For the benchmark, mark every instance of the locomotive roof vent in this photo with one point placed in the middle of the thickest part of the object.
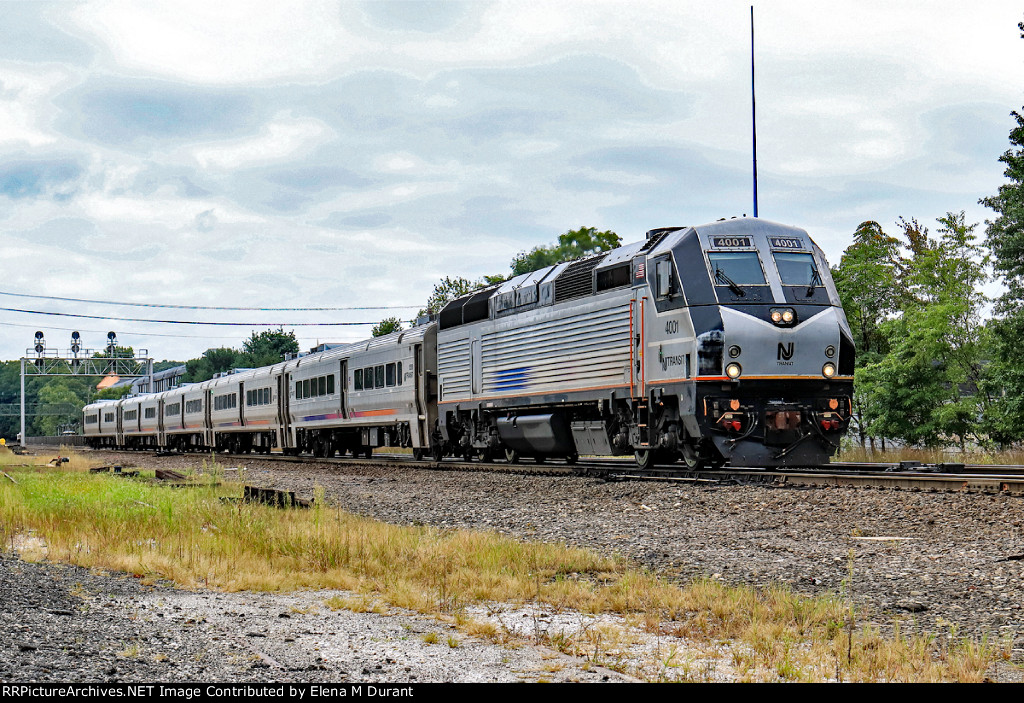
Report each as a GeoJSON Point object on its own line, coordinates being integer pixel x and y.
{"type": "Point", "coordinates": [576, 280]}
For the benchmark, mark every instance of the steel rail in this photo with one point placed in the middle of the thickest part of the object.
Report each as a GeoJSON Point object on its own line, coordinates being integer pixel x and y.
{"type": "Point", "coordinates": [986, 479]}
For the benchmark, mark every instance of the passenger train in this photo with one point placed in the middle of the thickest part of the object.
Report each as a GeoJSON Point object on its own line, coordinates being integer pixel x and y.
{"type": "Point", "coordinates": [721, 343]}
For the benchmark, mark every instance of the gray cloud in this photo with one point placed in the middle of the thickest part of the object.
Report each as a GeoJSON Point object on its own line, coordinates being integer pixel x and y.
{"type": "Point", "coordinates": [32, 178]}
{"type": "Point", "coordinates": [362, 220]}
{"type": "Point", "coordinates": [425, 16]}
{"type": "Point", "coordinates": [66, 232]}
{"type": "Point", "coordinates": [140, 114]}
{"type": "Point", "coordinates": [206, 221]}
{"type": "Point", "coordinates": [26, 35]}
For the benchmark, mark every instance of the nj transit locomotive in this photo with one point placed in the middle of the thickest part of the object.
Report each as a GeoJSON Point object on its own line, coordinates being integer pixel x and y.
{"type": "Point", "coordinates": [719, 343]}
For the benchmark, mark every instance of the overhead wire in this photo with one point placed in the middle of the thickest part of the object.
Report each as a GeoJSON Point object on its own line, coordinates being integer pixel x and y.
{"type": "Point", "coordinates": [207, 307]}
{"type": "Point", "coordinates": [188, 322]}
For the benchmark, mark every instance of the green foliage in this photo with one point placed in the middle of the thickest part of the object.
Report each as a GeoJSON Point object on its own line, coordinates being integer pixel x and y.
{"type": "Point", "coordinates": [925, 390]}
{"type": "Point", "coordinates": [448, 290]}
{"type": "Point", "coordinates": [58, 392]}
{"type": "Point", "coordinates": [868, 281]}
{"type": "Point", "coordinates": [261, 349]}
{"type": "Point", "coordinates": [1005, 238]}
{"type": "Point", "coordinates": [213, 361]}
{"type": "Point", "coordinates": [387, 326]}
{"type": "Point", "coordinates": [118, 352]}
{"type": "Point", "coordinates": [267, 348]}
{"type": "Point", "coordinates": [113, 393]}
{"type": "Point", "coordinates": [574, 244]}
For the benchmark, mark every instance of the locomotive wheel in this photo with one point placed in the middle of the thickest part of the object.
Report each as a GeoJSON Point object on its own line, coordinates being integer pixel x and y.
{"type": "Point", "coordinates": [417, 454]}
{"type": "Point", "coordinates": [486, 456]}
{"type": "Point", "coordinates": [437, 452]}
{"type": "Point", "coordinates": [540, 458]}
{"type": "Point", "coordinates": [645, 458]}
{"type": "Point", "coordinates": [572, 459]}
{"type": "Point", "coordinates": [511, 456]}
{"type": "Point", "coordinates": [690, 456]}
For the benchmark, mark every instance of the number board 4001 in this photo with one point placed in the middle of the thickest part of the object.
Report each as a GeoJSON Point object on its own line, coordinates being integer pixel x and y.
{"type": "Point", "coordinates": [786, 243]}
{"type": "Point", "coordinates": [730, 242]}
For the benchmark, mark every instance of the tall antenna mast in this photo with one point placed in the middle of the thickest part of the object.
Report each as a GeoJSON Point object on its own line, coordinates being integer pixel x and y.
{"type": "Point", "coordinates": [753, 105]}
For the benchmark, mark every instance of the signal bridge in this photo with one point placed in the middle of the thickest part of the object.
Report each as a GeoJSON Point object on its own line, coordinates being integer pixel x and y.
{"type": "Point", "coordinates": [79, 361]}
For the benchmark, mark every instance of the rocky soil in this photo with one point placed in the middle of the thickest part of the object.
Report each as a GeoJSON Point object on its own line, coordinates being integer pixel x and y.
{"type": "Point", "coordinates": [934, 562]}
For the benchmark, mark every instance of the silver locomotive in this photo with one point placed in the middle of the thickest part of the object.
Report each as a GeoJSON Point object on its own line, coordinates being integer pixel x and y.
{"type": "Point", "coordinates": [719, 343]}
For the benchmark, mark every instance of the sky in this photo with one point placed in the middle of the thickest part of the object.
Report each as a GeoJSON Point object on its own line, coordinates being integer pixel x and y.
{"type": "Point", "coordinates": [352, 154]}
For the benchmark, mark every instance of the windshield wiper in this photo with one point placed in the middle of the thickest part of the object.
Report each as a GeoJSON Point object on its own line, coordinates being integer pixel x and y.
{"type": "Point", "coordinates": [815, 278]}
{"type": "Point", "coordinates": [720, 276]}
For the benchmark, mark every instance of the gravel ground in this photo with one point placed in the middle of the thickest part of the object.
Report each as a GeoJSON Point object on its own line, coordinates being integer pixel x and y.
{"type": "Point", "coordinates": [934, 562]}
{"type": "Point", "coordinates": [66, 624]}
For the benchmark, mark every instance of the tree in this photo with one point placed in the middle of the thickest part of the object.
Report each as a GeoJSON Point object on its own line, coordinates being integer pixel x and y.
{"type": "Point", "coordinates": [112, 393]}
{"type": "Point", "coordinates": [448, 290]}
{"type": "Point", "coordinates": [387, 326]}
{"type": "Point", "coordinates": [927, 389]}
{"type": "Point", "coordinates": [574, 244]}
{"type": "Point", "coordinates": [267, 348]}
{"type": "Point", "coordinates": [1005, 238]}
{"type": "Point", "coordinates": [55, 394]}
{"type": "Point", "coordinates": [868, 281]}
{"type": "Point", "coordinates": [212, 362]}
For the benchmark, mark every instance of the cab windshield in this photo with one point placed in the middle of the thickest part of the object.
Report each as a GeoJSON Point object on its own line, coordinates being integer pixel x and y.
{"type": "Point", "coordinates": [741, 267]}
{"type": "Point", "coordinates": [796, 269]}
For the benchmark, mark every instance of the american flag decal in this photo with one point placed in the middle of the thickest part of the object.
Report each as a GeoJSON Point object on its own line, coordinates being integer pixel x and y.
{"type": "Point", "coordinates": [641, 270]}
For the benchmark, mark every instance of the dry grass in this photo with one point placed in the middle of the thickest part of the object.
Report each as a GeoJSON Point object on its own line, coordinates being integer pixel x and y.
{"type": "Point", "coordinates": [195, 537]}
{"type": "Point", "coordinates": [975, 455]}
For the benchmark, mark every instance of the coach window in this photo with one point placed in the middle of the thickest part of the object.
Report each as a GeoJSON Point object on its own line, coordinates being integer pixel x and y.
{"type": "Point", "coordinates": [368, 378]}
{"type": "Point", "coordinates": [358, 382]}
{"type": "Point", "coordinates": [378, 376]}
{"type": "Point", "coordinates": [389, 372]}
{"type": "Point", "coordinates": [322, 384]}
{"type": "Point", "coordinates": [305, 388]}
{"type": "Point", "coordinates": [399, 373]}
{"type": "Point", "coordinates": [330, 384]}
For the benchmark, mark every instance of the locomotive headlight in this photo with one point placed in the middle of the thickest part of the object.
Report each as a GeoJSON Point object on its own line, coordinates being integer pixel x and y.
{"type": "Point", "coordinates": [782, 316]}
{"type": "Point", "coordinates": [828, 370]}
{"type": "Point", "coordinates": [733, 371]}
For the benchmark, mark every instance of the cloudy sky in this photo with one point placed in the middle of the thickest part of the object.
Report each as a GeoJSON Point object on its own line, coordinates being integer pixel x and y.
{"type": "Point", "coordinates": [351, 154]}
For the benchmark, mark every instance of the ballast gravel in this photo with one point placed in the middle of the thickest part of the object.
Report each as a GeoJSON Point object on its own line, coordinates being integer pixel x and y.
{"type": "Point", "coordinates": [943, 563]}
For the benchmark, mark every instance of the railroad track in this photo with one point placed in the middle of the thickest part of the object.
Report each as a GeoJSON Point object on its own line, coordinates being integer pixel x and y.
{"type": "Point", "coordinates": [948, 477]}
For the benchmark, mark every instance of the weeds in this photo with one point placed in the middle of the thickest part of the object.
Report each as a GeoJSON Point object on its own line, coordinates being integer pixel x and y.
{"type": "Point", "coordinates": [194, 538]}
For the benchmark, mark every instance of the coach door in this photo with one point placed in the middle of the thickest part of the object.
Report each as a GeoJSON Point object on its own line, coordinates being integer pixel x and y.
{"type": "Point", "coordinates": [342, 386]}
{"type": "Point", "coordinates": [422, 395]}
{"type": "Point", "coordinates": [284, 413]}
